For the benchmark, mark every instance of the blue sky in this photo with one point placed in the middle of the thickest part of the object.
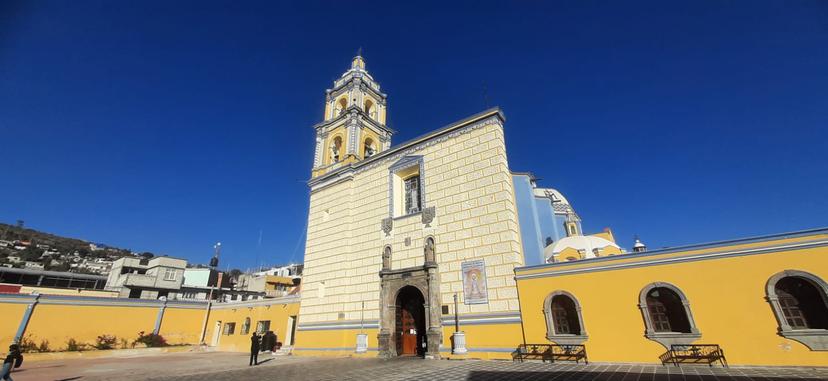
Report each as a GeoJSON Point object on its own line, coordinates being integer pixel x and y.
{"type": "Point", "coordinates": [167, 126]}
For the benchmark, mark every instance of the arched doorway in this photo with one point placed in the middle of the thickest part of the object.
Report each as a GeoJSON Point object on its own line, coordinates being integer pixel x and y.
{"type": "Point", "coordinates": [410, 327]}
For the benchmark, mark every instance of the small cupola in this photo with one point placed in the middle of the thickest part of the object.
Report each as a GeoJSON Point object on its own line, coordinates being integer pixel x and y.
{"type": "Point", "coordinates": [638, 246]}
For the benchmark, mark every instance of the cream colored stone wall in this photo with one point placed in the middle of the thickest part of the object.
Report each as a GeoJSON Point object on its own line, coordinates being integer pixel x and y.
{"type": "Point", "coordinates": [466, 178]}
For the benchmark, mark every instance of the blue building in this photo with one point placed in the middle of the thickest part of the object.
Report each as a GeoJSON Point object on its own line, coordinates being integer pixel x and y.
{"type": "Point", "coordinates": [545, 217]}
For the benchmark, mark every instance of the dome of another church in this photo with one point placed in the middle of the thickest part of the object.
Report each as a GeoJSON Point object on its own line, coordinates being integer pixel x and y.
{"type": "Point", "coordinates": [584, 245]}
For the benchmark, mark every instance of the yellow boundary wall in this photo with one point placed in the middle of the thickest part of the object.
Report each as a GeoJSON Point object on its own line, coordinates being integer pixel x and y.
{"type": "Point", "coordinates": [55, 319]}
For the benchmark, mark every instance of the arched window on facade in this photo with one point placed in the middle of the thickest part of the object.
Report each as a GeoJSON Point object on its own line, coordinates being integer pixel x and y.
{"type": "Point", "coordinates": [245, 329]}
{"type": "Point", "coordinates": [800, 303]}
{"type": "Point", "coordinates": [336, 149]}
{"type": "Point", "coordinates": [369, 147]}
{"type": "Point", "coordinates": [564, 323]}
{"type": "Point", "coordinates": [667, 315]}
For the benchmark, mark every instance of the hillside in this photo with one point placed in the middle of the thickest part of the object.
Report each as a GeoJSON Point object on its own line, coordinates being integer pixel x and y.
{"type": "Point", "coordinates": [26, 248]}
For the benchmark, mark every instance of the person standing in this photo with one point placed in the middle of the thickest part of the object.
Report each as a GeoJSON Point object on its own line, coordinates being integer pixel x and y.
{"type": "Point", "coordinates": [254, 349]}
{"type": "Point", "coordinates": [13, 360]}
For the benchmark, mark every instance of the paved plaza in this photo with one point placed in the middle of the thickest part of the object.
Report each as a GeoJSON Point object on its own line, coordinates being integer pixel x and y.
{"type": "Point", "coordinates": [233, 366]}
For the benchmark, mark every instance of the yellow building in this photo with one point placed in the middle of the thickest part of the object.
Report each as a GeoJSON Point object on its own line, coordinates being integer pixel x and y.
{"type": "Point", "coordinates": [763, 300]}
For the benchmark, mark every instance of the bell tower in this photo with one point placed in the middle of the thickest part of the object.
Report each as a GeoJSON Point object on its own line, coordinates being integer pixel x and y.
{"type": "Point", "coordinates": [353, 128]}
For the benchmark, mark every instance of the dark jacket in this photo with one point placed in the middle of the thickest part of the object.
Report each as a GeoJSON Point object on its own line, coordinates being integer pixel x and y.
{"type": "Point", "coordinates": [14, 357]}
{"type": "Point", "coordinates": [254, 343]}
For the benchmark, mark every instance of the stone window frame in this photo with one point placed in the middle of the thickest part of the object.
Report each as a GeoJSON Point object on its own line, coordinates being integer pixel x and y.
{"type": "Point", "coordinates": [402, 165]}
{"type": "Point", "coordinates": [563, 339]}
{"type": "Point", "coordinates": [814, 339]}
{"type": "Point", "coordinates": [667, 338]}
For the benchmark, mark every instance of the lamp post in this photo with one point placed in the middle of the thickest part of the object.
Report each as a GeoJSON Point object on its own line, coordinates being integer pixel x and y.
{"type": "Point", "coordinates": [213, 265]}
{"type": "Point", "coordinates": [362, 337]}
{"type": "Point", "coordinates": [458, 338]}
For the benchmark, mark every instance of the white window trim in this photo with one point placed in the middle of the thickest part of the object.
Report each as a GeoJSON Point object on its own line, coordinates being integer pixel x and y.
{"type": "Point", "coordinates": [404, 164]}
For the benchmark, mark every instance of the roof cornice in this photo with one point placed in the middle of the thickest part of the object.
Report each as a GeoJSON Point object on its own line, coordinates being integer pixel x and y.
{"type": "Point", "coordinates": [346, 171]}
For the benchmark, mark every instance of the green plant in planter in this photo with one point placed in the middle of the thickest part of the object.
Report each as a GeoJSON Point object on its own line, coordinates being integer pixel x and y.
{"type": "Point", "coordinates": [104, 342]}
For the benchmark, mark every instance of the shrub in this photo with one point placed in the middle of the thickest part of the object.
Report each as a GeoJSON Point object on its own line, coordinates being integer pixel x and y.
{"type": "Point", "coordinates": [27, 344]}
{"type": "Point", "coordinates": [124, 343]}
{"type": "Point", "coordinates": [73, 345]}
{"type": "Point", "coordinates": [150, 340]}
{"type": "Point", "coordinates": [44, 346]}
{"type": "Point", "coordinates": [106, 342]}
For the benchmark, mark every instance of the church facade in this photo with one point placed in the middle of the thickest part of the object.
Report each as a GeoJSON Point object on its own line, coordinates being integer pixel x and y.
{"type": "Point", "coordinates": [395, 234]}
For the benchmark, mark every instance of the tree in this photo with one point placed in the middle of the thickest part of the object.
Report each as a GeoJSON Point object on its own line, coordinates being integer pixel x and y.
{"type": "Point", "coordinates": [31, 253]}
{"type": "Point", "coordinates": [234, 273]}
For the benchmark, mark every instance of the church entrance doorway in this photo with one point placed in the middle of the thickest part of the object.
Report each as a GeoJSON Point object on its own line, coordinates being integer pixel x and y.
{"type": "Point", "coordinates": [410, 322]}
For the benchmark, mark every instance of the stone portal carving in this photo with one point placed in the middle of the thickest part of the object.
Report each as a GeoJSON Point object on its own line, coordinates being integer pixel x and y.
{"type": "Point", "coordinates": [428, 250]}
{"type": "Point", "coordinates": [387, 225]}
{"type": "Point", "coordinates": [428, 216]}
{"type": "Point", "coordinates": [386, 258]}
{"type": "Point", "coordinates": [424, 278]}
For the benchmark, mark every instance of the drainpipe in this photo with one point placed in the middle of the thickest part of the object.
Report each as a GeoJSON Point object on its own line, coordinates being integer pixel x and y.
{"type": "Point", "coordinates": [520, 309]}
{"type": "Point", "coordinates": [27, 315]}
{"type": "Point", "coordinates": [160, 317]}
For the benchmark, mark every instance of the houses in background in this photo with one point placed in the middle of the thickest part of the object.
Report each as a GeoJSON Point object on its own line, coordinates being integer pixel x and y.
{"type": "Point", "coordinates": [171, 278]}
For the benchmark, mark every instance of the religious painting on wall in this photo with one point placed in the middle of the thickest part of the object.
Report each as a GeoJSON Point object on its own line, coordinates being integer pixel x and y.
{"type": "Point", "coordinates": [474, 282]}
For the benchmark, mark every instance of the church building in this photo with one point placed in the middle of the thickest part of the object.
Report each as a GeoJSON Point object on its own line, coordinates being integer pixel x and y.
{"type": "Point", "coordinates": [433, 247]}
{"type": "Point", "coordinates": [397, 232]}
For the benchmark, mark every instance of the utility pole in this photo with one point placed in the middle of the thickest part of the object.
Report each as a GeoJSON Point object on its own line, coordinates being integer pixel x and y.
{"type": "Point", "coordinates": [213, 266]}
